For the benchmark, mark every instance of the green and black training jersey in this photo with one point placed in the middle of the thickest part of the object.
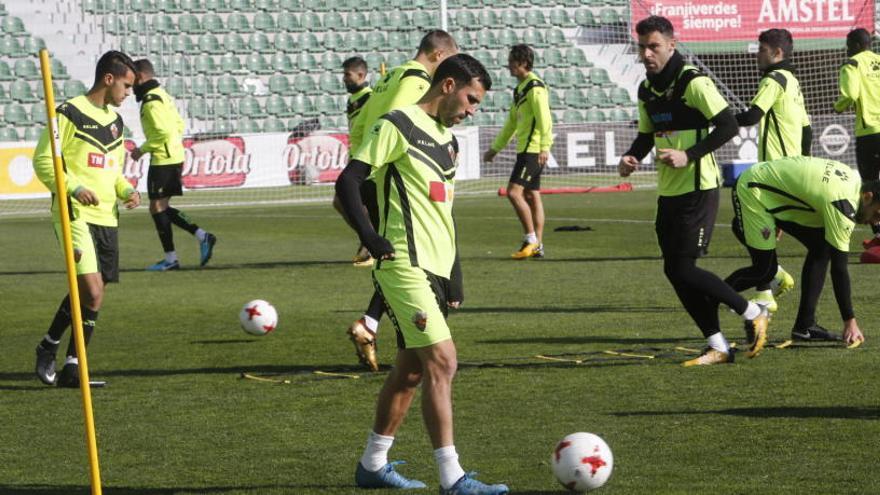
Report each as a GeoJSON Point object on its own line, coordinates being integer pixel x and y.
{"type": "Point", "coordinates": [529, 118]}
{"type": "Point", "coordinates": [785, 115]}
{"type": "Point", "coordinates": [860, 88]}
{"type": "Point", "coordinates": [91, 146]}
{"type": "Point", "coordinates": [162, 123]}
{"type": "Point", "coordinates": [679, 118]}
{"type": "Point", "coordinates": [414, 158]}
{"type": "Point", "coordinates": [808, 191]}
{"type": "Point", "coordinates": [402, 86]}
{"type": "Point", "coordinates": [354, 111]}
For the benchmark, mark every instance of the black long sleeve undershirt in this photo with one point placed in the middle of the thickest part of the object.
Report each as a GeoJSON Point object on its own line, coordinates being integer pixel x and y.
{"type": "Point", "coordinates": [725, 129]}
{"type": "Point", "coordinates": [807, 140]}
{"type": "Point", "coordinates": [750, 117]}
{"type": "Point", "coordinates": [641, 145]}
{"type": "Point", "coordinates": [348, 189]}
{"type": "Point", "coordinates": [841, 284]}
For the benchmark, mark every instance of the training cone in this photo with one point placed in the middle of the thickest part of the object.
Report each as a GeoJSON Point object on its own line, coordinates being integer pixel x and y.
{"type": "Point", "coordinates": [871, 255]}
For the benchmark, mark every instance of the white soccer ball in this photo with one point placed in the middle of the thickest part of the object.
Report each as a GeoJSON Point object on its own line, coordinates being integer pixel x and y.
{"type": "Point", "coordinates": [582, 462]}
{"type": "Point", "coordinates": [258, 317]}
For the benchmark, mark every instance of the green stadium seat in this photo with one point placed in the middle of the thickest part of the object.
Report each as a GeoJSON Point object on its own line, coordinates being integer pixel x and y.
{"type": "Point", "coordinates": [143, 6]}
{"type": "Point", "coordinates": [309, 42]}
{"type": "Point", "coordinates": [534, 37]}
{"type": "Point", "coordinates": [13, 26]}
{"type": "Point", "coordinates": [354, 41]}
{"type": "Point", "coordinates": [281, 62]}
{"type": "Point", "coordinates": [307, 62]}
{"type": "Point", "coordinates": [375, 60]}
{"type": "Point", "coordinates": [326, 121]}
{"type": "Point", "coordinates": [331, 61]}
{"type": "Point", "coordinates": [570, 3]}
{"type": "Point", "coordinates": [249, 126]}
{"type": "Point", "coordinates": [199, 109]}
{"type": "Point", "coordinates": [242, 6]}
{"type": "Point", "coordinates": [302, 105]}
{"type": "Point", "coordinates": [279, 85]}
{"type": "Point", "coordinates": [264, 22]}
{"type": "Point", "coordinates": [189, 24]}
{"type": "Point", "coordinates": [488, 103]}
{"type": "Point", "coordinates": [208, 43]}
{"type": "Point", "coordinates": [557, 38]}
{"type": "Point", "coordinates": [15, 114]}
{"type": "Point", "coordinates": [376, 40]}
{"type": "Point", "coordinates": [205, 65]}
{"type": "Point", "coordinates": [161, 65]}
{"type": "Point", "coordinates": [288, 21]}
{"type": "Point", "coordinates": [217, 6]}
{"type": "Point", "coordinates": [571, 77]}
{"type": "Point", "coordinates": [552, 57]}
{"type": "Point", "coordinates": [114, 24]}
{"type": "Point", "coordinates": [334, 21]}
{"type": "Point", "coordinates": [574, 98]}
{"type": "Point", "coordinates": [38, 113]}
{"type": "Point", "coordinates": [316, 5]}
{"type": "Point", "coordinates": [33, 45]}
{"type": "Point", "coordinates": [598, 97]}
{"type": "Point", "coordinates": [195, 6]}
{"type": "Point", "coordinates": [274, 126]}
{"type": "Point", "coordinates": [168, 6]}
{"type": "Point", "coordinates": [584, 18]}
{"type": "Point", "coordinates": [33, 133]}
{"type": "Point", "coordinates": [133, 46]}
{"type": "Point", "coordinates": [426, 19]}
{"type": "Point", "coordinates": [594, 115]}
{"type": "Point", "coordinates": [575, 57]}
{"type": "Point", "coordinates": [266, 5]}
{"type": "Point", "coordinates": [203, 85]}
{"type": "Point", "coordinates": [10, 47]}
{"type": "Point", "coordinates": [396, 58]}
{"type": "Point", "coordinates": [486, 39]}
{"type": "Point", "coordinates": [464, 19]}
{"type": "Point", "coordinates": [222, 127]}
{"type": "Point", "coordinates": [9, 135]}
{"type": "Point", "coordinates": [231, 64]}
{"type": "Point", "coordinates": [290, 5]}
{"type": "Point", "coordinates": [358, 20]}
{"type": "Point", "coordinates": [599, 77]}
{"type": "Point", "coordinates": [285, 43]}
{"type": "Point", "coordinates": [6, 72]}
{"type": "Point", "coordinates": [176, 86]}
{"type": "Point", "coordinates": [311, 22]}
{"type": "Point", "coordinates": [260, 43]}
{"type": "Point", "coordinates": [179, 65]}
{"type": "Point", "coordinates": [620, 96]}
{"type": "Point", "coordinates": [535, 18]}
{"type": "Point", "coordinates": [233, 42]}
{"type": "Point", "coordinates": [396, 39]}
{"type": "Point", "coordinates": [503, 100]}
{"type": "Point", "coordinates": [572, 116]}
{"type": "Point", "coordinates": [511, 18]}
{"type": "Point", "coordinates": [25, 68]}
{"type": "Point", "coordinates": [303, 83]}
{"type": "Point", "coordinates": [466, 39]}
{"type": "Point", "coordinates": [481, 118]}
{"type": "Point", "coordinates": [213, 23]}
{"type": "Point", "coordinates": [560, 18]}
{"type": "Point", "coordinates": [182, 43]}
{"type": "Point", "coordinates": [331, 84]}
{"type": "Point", "coordinates": [224, 108]}
{"type": "Point", "coordinates": [556, 100]}
{"type": "Point", "coordinates": [136, 24]}
{"type": "Point", "coordinates": [238, 23]}
{"type": "Point", "coordinates": [486, 57]}
{"type": "Point", "coordinates": [164, 24]}
{"type": "Point", "coordinates": [257, 64]}
{"type": "Point", "coordinates": [334, 42]}
{"type": "Point", "coordinates": [250, 107]}
{"type": "Point", "coordinates": [507, 38]}
{"type": "Point", "coordinates": [73, 88]}
{"type": "Point", "coordinates": [609, 16]}
{"type": "Point", "coordinates": [157, 45]}
{"type": "Point", "coordinates": [487, 19]}
{"type": "Point", "coordinates": [92, 7]}
{"type": "Point", "coordinates": [619, 115]}
{"type": "Point", "coordinates": [378, 19]}
{"type": "Point", "coordinates": [328, 105]}
{"type": "Point", "coordinates": [277, 107]}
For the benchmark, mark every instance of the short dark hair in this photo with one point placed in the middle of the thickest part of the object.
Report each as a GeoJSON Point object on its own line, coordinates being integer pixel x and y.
{"type": "Point", "coordinates": [356, 63]}
{"type": "Point", "coordinates": [655, 23]}
{"type": "Point", "coordinates": [523, 54]}
{"type": "Point", "coordinates": [463, 68]}
{"type": "Point", "coordinates": [144, 66]}
{"type": "Point", "coordinates": [436, 39]}
{"type": "Point", "coordinates": [778, 38]}
{"type": "Point", "coordinates": [115, 63]}
{"type": "Point", "coordinates": [859, 37]}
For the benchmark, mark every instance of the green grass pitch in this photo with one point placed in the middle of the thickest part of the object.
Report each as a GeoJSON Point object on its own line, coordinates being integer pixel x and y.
{"type": "Point", "coordinates": [176, 418]}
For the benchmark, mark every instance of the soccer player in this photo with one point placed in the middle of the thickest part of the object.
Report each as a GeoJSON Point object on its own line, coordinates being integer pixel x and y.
{"type": "Point", "coordinates": [860, 89]}
{"type": "Point", "coordinates": [818, 202]}
{"type": "Point", "coordinates": [413, 153]}
{"type": "Point", "coordinates": [354, 76]}
{"type": "Point", "coordinates": [677, 104]}
{"type": "Point", "coordinates": [402, 86]}
{"type": "Point", "coordinates": [532, 122]}
{"type": "Point", "coordinates": [163, 128]}
{"type": "Point", "coordinates": [93, 153]}
{"type": "Point", "coordinates": [784, 124]}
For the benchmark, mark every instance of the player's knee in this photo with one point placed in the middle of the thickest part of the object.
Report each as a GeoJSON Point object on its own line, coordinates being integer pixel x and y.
{"type": "Point", "coordinates": [442, 367]}
{"type": "Point", "coordinates": [92, 297]}
{"type": "Point", "coordinates": [514, 192]}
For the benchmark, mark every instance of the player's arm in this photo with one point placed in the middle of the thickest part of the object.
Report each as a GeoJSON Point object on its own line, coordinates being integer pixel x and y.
{"type": "Point", "coordinates": [848, 85]}
{"type": "Point", "coordinates": [539, 99]}
{"type": "Point", "coordinates": [44, 167]}
{"type": "Point", "coordinates": [641, 145]}
{"type": "Point", "coordinates": [503, 136]}
{"type": "Point", "coordinates": [770, 89]}
{"type": "Point", "coordinates": [156, 127]}
{"type": "Point", "coordinates": [410, 90]}
{"type": "Point", "coordinates": [807, 140]}
{"type": "Point", "coordinates": [702, 94]}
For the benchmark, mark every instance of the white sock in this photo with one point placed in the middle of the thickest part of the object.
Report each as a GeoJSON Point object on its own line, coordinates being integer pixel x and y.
{"type": "Point", "coordinates": [531, 238]}
{"type": "Point", "coordinates": [71, 360]}
{"type": "Point", "coordinates": [376, 453]}
{"type": "Point", "coordinates": [719, 343]}
{"type": "Point", "coordinates": [752, 311]}
{"type": "Point", "coordinates": [48, 339]}
{"type": "Point", "coordinates": [171, 256]}
{"type": "Point", "coordinates": [200, 234]}
{"type": "Point", "coordinates": [372, 324]}
{"type": "Point", "coordinates": [447, 462]}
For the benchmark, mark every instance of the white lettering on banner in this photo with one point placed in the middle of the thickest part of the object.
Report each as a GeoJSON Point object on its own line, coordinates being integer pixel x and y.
{"type": "Point", "coordinates": [611, 157]}
{"type": "Point", "coordinates": [805, 11]}
{"type": "Point", "coordinates": [232, 162]}
{"type": "Point", "coordinates": [314, 159]}
{"type": "Point", "coordinates": [579, 149]}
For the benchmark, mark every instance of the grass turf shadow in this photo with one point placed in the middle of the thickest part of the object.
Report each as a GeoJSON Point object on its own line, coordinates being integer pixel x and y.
{"type": "Point", "coordinates": [802, 412]}
{"type": "Point", "coordinates": [109, 490]}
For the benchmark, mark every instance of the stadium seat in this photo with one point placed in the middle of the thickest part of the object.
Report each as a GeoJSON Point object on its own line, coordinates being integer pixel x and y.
{"type": "Point", "coordinates": [560, 18]}
{"type": "Point", "coordinates": [241, 6]}
{"type": "Point", "coordinates": [376, 41]}
{"type": "Point", "coordinates": [377, 19]}
{"type": "Point", "coordinates": [328, 105]}
{"type": "Point", "coordinates": [465, 39]}
{"type": "Point", "coordinates": [334, 42]}
{"type": "Point", "coordinates": [464, 19]}
{"type": "Point", "coordinates": [310, 22]}
{"type": "Point", "coordinates": [485, 57]}
{"type": "Point", "coordinates": [189, 24]}
{"type": "Point", "coordinates": [303, 83]}
{"type": "Point", "coordinates": [481, 118]}
{"type": "Point", "coordinates": [276, 106]}
{"type": "Point", "coordinates": [598, 97]}
{"type": "Point", "coordinates": [279, 85]}
{"type": "Point", "coordinates": [179, 65]}
{"type": "Point", "coordinates": [306, 61]}
{"type": "Point", "coordinates": [334, 21]}
{"type": "Point", "coordinates": [620, 96]}
{"type": "Point", "coordinates": [38, 113]}
{"type": "Point", "coordinates": [33, 45]}
{"type": "Point", "coordinates": [114, 24]}
{"type": "Point", "coordinates": [176, 86]}
{"type": "Point", "coordinates": [330, 83]}
{"type": "Point", "coordinates": [358, 20]}
{"type": "Point", "coordinates": [552, 57]}
{"type": "Point", "coordinates": [205, 65]}
{"type": "Point", "coordinates": [250, 107]}
{"type": "Point", "coordinates": [281, 62]}
{"type": "Point", "coordinates": [557, 38]}
{"type": "Point", "coordinates": [375, 60]}
{"type": "Point", "coordinates": [231, 64]}
{"type": "Point", "coordinates": [609, 16]}
{"type": "Point", "coordinates": [510, 18]}
{"type": "Point", "coordinates": [136, 24]}
{"type": "Point", "coordinates": [6, 72]}
{"type": "Point", "coordinates": [488, 103]}
{"type": "Point", "coordinates": [157, 45]}
{"type": "Point", "coordinates": [556, 100]}
{"type": "Point", "coordinates": [257, 64]}
{"type": "Point", "coordinates": [33, 133]}
{"type": "Point", "coordinates": [143, 6]}
{"type": "Point", "coordinates": [426, 19]}
{"type": "Point", "coordinates": [487, 19]}
{"type": "Point", "coordinates": [354, 41]}
{"type": "Point", "coordinates": [285, 43]}
{"type": "Point", "coordinates": [599, 77]}
{"type": "Point", "coordinates": [203, 86]}
{"type": "Point", "coordinates": [10, 47]}
{"type": "Point", "coordinates": [9, 135]}
{"type": "Point", "coordinates": [224, 108]}
{"type": "Point", "coordinates": [233, 42]}
{"type": "Point", "coordinates": [260, 43]}
{"type": "Point", "coordinates": [266, 5]}
{"type": "Point", "coordinates": [619, 115]}
{"type": "Point", "coordinates": [238, 23]}
{"type": "Point", "coordinates": [93, 7]}
{"type": "Point", "coordinates": [25, 68]}
{"type": "Point", "coordinates": [507, 38]}
{"type": "Point", "coordinates": [396, 58]}
{"type": "Point", "coordinates": [196, 6]}
{"type": "Point", "coordinates": [164, 24]}
{"type": "Point", "coordinates": [168, 6]}
{"type": "Point", "coordinates": [213, 23]}
{"type": "Point", "coordinates": [73, 88]}
{"type": "Point", "coordinates": [249, 126]}
{"type": "Point", "coordinates": [326, 121]}
{"type": "Point", "coordinates": [594, 115]}
{"type": "Point", "coordinates": [309, 42]}
{"type": "Point", "coordinates": [331, 61]}
{"type": "Point", "coordinates": [534, 37]}
{"type": "Point", "coordinates": [13, 26]}
{"type": "Point", "coordinates": [208, 43]}
{"type": "Point", "coordinates": [575, 57]}
{"type": "Point", "coordinates": [199, 109]}
{"type": "Point", "coordinates": [183, 44]}
{"type": "Point", "coordinates": [302, 105]}
{"type": "Point", "coordinates": [274, 125]}
{"type": "Point", "coordinates": [584, 18]}
{"type": "Point", "coordinates": [217, 6]}
{"type": "Point", "coordinates": [264, 22]}
{"type": "Point", "coordinates": [535, 18]}
{"type": "Point", "coordinates": [15, 114]}
{"type": "Point", "coordinates": [288, 21]}
{"type": "Point", "coordinates": [486, 39]}
{"type": "Point", "coordinates": [222, 127]}
{"type": "Point", "coordinates": [574, 98]}
{"type": "Point", "coordinates": [316, 5]}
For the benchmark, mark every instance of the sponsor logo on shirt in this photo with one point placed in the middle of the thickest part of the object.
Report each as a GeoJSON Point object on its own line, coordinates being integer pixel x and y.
{"type": "Point", "coordinates": [97, 160]}
{"type": "Point", "coordinates": [765, 232]}
{"type": "Point", "coordinates": [440, 192]}
{"type": "Point", "coordinates": [420, 319]}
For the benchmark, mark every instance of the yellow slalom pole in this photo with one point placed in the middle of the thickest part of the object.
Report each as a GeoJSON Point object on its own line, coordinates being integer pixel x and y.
{"type": "Point", "coordinates": [76, 314]}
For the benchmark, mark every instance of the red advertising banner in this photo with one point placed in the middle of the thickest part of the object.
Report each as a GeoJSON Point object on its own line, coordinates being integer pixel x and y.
{"type": "Point", "coordinates": [743, 20]}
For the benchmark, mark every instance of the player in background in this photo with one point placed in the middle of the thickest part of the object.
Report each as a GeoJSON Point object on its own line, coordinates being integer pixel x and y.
{"type": "Point", "coordinates": [94, 154]}
{"type": "Point", "coordinates": [402, 86]}
{"type": "Point", "coordinates": [530, 119]}
{"type": "Point", "coordinates": [784, 128]}
{"type": "Point", "coordinates": [818, 202]}
{"type": "Point", "coordinates": [163, 127]}
{"type": "Point", "coordinates": [860, 89]}
{"type": "Point", "coordinates": [354, 77]}
{"type": "Point", "coordinates": [414, 153]}
{"type": "Point", "coordinates": [677, 105]}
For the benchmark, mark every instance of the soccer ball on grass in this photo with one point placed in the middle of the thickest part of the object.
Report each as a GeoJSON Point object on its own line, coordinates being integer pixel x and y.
{"type": "Point", "coordinates": [258, 317]}
{"type": "Point", "coordinates": [582, 462]}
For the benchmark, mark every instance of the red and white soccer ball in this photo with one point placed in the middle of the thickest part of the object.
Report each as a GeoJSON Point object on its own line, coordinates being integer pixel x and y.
{"type": "Point", "coordinates": [582, 462]}
{"type": "Point", "coordinates": [258, 317]}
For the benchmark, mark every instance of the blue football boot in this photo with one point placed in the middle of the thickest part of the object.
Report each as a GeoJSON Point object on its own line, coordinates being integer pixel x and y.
{"type": "Point", "coordinates": [385, 477]}
{"type": "Point", "coordinates": [468, 485]}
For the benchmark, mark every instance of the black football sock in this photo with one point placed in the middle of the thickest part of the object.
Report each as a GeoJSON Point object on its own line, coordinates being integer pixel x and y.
{"type": "Point", "coordinates": [58, 327]}
{"type": "Point", "coordinates": [89, 318]}
{"type": "Point", "coordinates": [376, 307]}
{"type": "Point", "coordinates": [163, 227]}
{"type": "Point", "coordinates": [180, 219]}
